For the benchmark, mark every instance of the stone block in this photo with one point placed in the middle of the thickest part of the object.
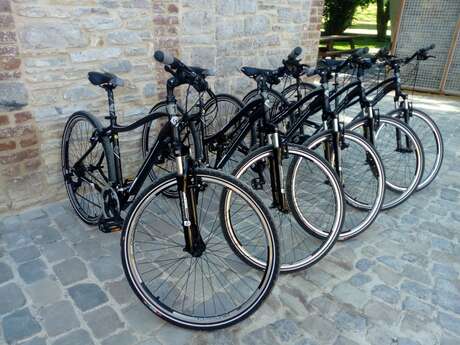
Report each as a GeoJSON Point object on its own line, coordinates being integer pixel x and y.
{"type": "Point", "coordinates": [5, 273]}
{"type": "Point", "coordinates": [77, 337]}
{"type": "Point", "coordinates": [255, 25]}
{"type": "Point", "coordinates": [124, 37]}
{"type": "Point", "coordinates": [13, 96]}
{"type": "Point", "coordinates": [19, 325]}
{"type": "Point", "coordinates": [42, 36]}
{"type": "Point", "coordinates": [11, 298]}
{"type": "Point", "coordinates": [25, 254]}
{"type": "Point", "coordinates": [87, 296]}
{"type": "Point", "coordinates": [70, 271]}
{"type": "Point", "coordinates": [32, 271]}
{"type": "Point", "coordinates": [103, 321]}
{"type": "Point", "coordinates": [95, 54]}
{"type": "Point", "coordinates": [59, 318]}
{"type": "Point", "coordinates": [44, 292]}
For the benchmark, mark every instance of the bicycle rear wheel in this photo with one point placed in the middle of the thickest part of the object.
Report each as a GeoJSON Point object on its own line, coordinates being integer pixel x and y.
{"type": "Point", "coordinates": [87, 164]}
{"type": "Point", "coordinates": [217, 288]}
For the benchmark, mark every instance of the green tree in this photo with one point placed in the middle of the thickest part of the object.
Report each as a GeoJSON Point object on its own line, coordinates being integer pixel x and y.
{"type": "Point", "coordinates": [338, 14]}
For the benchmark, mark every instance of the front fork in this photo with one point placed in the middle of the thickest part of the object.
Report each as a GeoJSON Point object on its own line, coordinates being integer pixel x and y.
{"type": "Point", "coordinates": [277, 175]}
{"type": "Point", "coordinates": [332, 150]}
{"type": "Point", "coordinates": [406, 109]}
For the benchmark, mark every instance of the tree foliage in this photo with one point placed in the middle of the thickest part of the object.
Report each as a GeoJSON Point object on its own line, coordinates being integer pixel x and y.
{"type": "Point", "coordinates": [338, 14]}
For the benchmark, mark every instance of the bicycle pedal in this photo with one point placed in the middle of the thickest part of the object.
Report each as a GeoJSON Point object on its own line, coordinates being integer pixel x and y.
{"type": "Point", "coordinates": [110, 225]}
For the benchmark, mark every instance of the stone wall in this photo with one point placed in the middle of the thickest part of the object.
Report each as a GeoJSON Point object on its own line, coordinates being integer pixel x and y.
{"type": "Point", "coordinates": [47, 47]}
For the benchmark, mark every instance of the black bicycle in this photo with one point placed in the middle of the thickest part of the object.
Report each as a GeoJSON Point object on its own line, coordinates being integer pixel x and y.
{"type": "Point", "coordinates": [355, 161]}
{"type": "Point", "coordinates": [317, 196]}
{"type": "Point", "coordinates": [422, 124]}
{"type": "Point", "coordinates": [198, 247]}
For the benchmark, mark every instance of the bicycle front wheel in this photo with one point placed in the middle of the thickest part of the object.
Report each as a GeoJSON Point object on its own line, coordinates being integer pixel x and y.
{"type": "Point", "coordinates": [432, 142]}
{"type": "Point", "coordinates": [363, 179]}
{"type": "Point", "coordinates": [402, 156]}
{"type": "Point", "coordinates": [315, 196]}
{"type": "Point", "coordinates": [216, 288]}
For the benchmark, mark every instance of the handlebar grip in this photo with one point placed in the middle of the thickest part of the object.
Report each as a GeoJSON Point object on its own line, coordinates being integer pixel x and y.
{"type": "Point", "coordinates": [164, 57]}
{"type": "Point", "coordinates": [430, 47]}
{"type": "Point", "coordinates": [295, 53]}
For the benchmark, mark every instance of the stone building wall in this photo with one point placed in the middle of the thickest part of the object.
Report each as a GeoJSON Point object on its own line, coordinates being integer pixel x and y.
{"type": "Point", "coordinates": [48, 46]}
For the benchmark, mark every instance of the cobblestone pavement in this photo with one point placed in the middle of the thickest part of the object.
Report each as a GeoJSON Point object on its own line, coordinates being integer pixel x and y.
{"type": "Point", "coordinates": [61, 282]}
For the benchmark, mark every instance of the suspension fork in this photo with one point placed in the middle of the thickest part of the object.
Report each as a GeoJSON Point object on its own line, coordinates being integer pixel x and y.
{"type": "Point", "coordinates": [277, 175]}
{"type": "Point", "coordinates": [369, 126]}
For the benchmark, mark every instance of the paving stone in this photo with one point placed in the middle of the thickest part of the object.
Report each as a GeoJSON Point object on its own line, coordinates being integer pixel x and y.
{"type": "Point", "coordinates": [259, 336]}
{"type": "Point", "coordinates": [350, 320]}
{"type": "Point", "coordinates": [415, 305]}
{"type": "Point", "coordinates": [32, 214]}
{"type": "Point", "coordinates": [25, 254]}
{"type": "Point", "coordinates": [5, 273]}
{"type": "Point", "coordinates": [386, 275]}
{"type": "Point", "coordinates": [121, 291]}
{"type": "Point", "coordinates": [34, 341]}
{"type": "Point", "coordinates": [381, 313]}
{"type": "Point", "coordinates": [57, 251]}
{"type": "Point", "coordinates": [44, 291]}
{"type": "Point", "coordinates": [70, 271]}
{"type": "Point", "coordinates": [141, 319]}
{"type": "Point", "coordinates": [452, 286]}
{"type": "Point", "coordinates": [77, 337]}
{"type": "Point", "coordinates": [19, 325]}
{"type": "Point", "coordinates": [89, 249]}
{"type": "Point", "coordinates": [45, 234]}
{"type": "Point", "coordinates": [59, 318]}
{"type": "Point", "coordinates": [446, 300]}
{"type": "Point", "coordinates": [416, 273]}
{"type": "Point", "coordinates": [364, 264]}
{"type": "Point", "coordinates": [107, 268]}
{"type": "Point", "coordinates": [391, 262]}
{"type": "Point", "coordinates": [87, 296]}
{"type": "Point", "coordinates": [11, 298]}
{"type": "Point", "coordinates": [103, 321]}
{"type": "Point", "coordinates": [407, 341]}
{"type": "Point", "coordinates": [285, 330]}
{"type": "Point", "coordinates": [360, 279]}
{"type": "Point", "coordinates": [16, 239]}
{"type": "Point", "coordinates": [444, 271]}
{"type": "Point", "coordinates": [341, 340]}
{"type": "Point", "coordinates": [320, 329]}
{"type": "Point", "coordinates": [386, 293]}
{"type": "Point", "coordinates": [416, 289]}
{"type": "Point", "coordinates": [32, 271]}
{"type": "Point", "coordinates": [348, 293]}
{"type": "Point", "coordinates": [122, 338]}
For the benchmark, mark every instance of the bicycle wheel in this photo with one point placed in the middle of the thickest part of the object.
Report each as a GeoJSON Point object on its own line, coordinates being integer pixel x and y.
{"type": "Point", "coordinates": [320, 201]}
{"type": "Point", "coordinates": [85, 178]}
{"type": "Point", "coordinates": [432, 142]}
{"type": "Point", "coordinates": [402, 156]}
{"type": "Point", "coordinates": [217, 288]}
{"type": "Point", "coordinates": [291, 93]}
{"type": "Point", "coordinates": [363, 181]}
{"type": "Point", "coordinates": [219, 110]}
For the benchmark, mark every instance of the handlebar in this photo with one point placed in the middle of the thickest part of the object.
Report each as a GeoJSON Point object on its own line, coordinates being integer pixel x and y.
{"type": "Point", "coordinates": [183, 73]}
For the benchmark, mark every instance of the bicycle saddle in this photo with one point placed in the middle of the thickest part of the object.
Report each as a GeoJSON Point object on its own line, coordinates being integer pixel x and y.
{"type": "Point", "coordinates": [105, 79]}
{"type": "Point", "coordinates": [271, 76]}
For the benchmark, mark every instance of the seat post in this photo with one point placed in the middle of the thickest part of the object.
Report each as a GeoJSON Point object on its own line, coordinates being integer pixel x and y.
{"type": "Point", "coordinates": [112, 114]}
